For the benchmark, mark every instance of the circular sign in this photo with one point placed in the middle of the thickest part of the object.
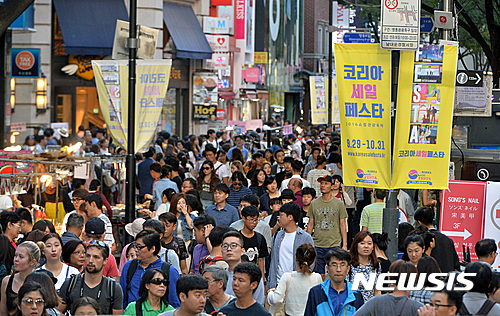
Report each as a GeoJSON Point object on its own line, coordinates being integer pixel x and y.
{"type": "Point", "coordinates": [462, 78]}
{"type": "Point", "coordinates": [493, 215]}
{"type": "Point", "coordinates": [25, 60]}
{"type": "Point", "coordinates": [483, 174]}
{"type": "Point", "coordinates": [391, 4]}
{"type": "Point", "coordinates": [442, 19]}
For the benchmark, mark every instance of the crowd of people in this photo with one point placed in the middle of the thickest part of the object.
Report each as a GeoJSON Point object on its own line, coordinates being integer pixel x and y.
{"type": "Point", "coordinates": [231, 228]}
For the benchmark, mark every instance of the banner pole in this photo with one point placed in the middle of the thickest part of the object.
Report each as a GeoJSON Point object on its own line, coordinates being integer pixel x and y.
{"type": "Point", "coordinates": [330, 60]}
{"type": "Point", "coordinates": [131, 177]}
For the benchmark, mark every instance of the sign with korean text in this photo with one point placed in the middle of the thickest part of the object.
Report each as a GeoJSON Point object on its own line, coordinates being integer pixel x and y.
{"type": "Point", "coordinates": [492, 216]}
{"type": "Point", "coordinates": [18, 127]}
{"type": "Point", "coordinates": [112, 86]}
{"type": "Point", "coordinates": [25, 63]}
{"type": "Point", "coordinates": [218, 43]}
{"type": "Point", "coordinates": [239, 19]}
{"type": "Point", "coordinates": [205, 96]}
{"type": "Point", "coordinates": [424, 117]}
{"type": "Point", "coordinates": [400, 21]}
{"type": "Point", "coordinates": [319, 100]}
{"type": "Point", "coordinates": [213, 25]}
{"type": "Point", "coordinates": [364, 88]}
{"type": "Point", "coordinates": [260, 57]}
{"type": "Point", "coordinates": [461, 219]}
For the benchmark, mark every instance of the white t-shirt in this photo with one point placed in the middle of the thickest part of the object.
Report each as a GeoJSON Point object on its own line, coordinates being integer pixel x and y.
{"type": "Point", "coordinates": [66, 272]}
{"type": "Point", "coordinates": [214, 143]}
{"type": "Point", "coordinates": [286, 255]}
{"type": "Point", "coordinates": [222, 171]}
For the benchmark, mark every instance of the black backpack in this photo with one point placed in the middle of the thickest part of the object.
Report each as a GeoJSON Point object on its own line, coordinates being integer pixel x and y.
{"type": "Point", "coordinates": [483, 311]}
{"type": "Point", "coordinates": [110, 284]}
{"type": "Point", "coordinates": [165, 267]}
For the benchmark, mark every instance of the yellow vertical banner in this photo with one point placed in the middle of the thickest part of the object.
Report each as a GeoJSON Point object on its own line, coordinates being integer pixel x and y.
{"type": "Point", "coordinates": [424, 116]}
{"type": "Point", "coordinates": [111, 78]}
{"type": "Point", "coordinates": [319, 100]}
{"type": "Point", "coordinates": [364, 98]}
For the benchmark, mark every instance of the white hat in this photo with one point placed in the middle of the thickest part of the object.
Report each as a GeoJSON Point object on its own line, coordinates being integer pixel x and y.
{"type": "Point", "coordinates": [63, 132]}
{"type": "Point", "coordinates": [135, 227]}
{"type": "Point", "coordinates": [5, 203]}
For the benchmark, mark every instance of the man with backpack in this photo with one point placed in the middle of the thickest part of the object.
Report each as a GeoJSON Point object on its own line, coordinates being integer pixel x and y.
{"type": "Point", "coordinates": [147, 246]}
{"type": "Point", "coordinates": [92, 283]}
{"type": "Point", "coordinates": [476, 301]}
{"type": "Point", "coordinates": [214, 235]}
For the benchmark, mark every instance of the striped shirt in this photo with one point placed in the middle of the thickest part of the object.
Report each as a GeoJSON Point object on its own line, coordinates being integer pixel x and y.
{"type": "Point", "coordinates": [371, 217]}
{"type": "Point", "coordinates": [109, 240]}
{"type": "Point", "coordinates": [235, 196]}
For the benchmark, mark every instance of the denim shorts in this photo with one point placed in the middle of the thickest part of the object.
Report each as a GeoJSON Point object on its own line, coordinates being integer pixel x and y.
{"type": "Point", "coordinates": [320, 259]}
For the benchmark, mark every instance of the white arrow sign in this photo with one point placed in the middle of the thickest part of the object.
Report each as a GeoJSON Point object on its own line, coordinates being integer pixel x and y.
{"type": "Point", "coordinates": [465, 234]}
{"type": "Point", "coordinates": [478, 78]}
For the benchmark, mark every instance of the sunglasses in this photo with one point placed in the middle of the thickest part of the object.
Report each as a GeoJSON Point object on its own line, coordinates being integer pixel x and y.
{"type": "Point", "coordinates": [237, 184]}
{"type": "Point", "coordinates": [158, 281]}
{"type": "Point", "coordinates": [205, 168]}
{"type": "Point", "coordinates": [98, 243]}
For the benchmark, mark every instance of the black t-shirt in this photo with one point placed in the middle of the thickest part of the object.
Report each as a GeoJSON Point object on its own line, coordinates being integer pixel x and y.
{"type": "Point", "coordinates": [179, 246]}
{"type": "Point", "coordinates": [255, 309]}
{"type": "Point", "coordinates": [255, 248]}
{"type": "Point", "coordinates": [385, 263]}
{"type": "Point", "coordinates": [274, 219]}
{"type": "Point", "coordinates": [103, 299]}
{"type": "Point", "coordinates": [178, 181]}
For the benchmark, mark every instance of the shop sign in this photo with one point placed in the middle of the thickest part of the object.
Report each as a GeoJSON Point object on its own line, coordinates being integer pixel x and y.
{"type": "Point", "coordinates": [239, 19]}
{"type": "Point", "coordinates": [25, 63]}
{"type": "Point", "coordinates": [213, 25]}
{"type": "Point", "coordinates": [18, 127]}
{"type": "Point", "coordinates": [221, 114]}
{"type": "Point", "coordinates": [205, 96]}
{"type": "Point", "coordinates": [221, 2]}
{"type": "Point", "coordinates": [227, 12]}
{"type": "Point", "coordinates": [255, 74]}
{"type": "Point", "coordinates": [218, 43]}
{"type": "Point", "coordinates": [260, 58]}
{"type": "Point", "coordinates": [218, 61]}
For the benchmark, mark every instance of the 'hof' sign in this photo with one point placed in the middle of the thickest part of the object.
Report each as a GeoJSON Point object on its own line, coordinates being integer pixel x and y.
{"type": "Point", "coordinates": [25, 63]}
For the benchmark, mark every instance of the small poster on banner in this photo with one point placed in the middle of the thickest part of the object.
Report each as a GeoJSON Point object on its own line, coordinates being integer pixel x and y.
{"type": "Point", "coordinates": [288, 129]}
{"type": "Point", "coordinates": [252, 125]}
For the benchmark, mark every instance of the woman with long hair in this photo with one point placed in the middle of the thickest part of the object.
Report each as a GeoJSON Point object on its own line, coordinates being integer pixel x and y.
{"type": "Point", "coordinates": [73, 254]}
{"type": "Point", "coordinates": [414, 249]}
{"type": "Point", "coordinates": [31, 300]}
{"type": "Point", "coordinates": [207, 180]}
{"type": "Point", "coordinates": [381, 242]}
{"type": "Point", "coordinates": [44, 225]}
{"type": "Point", "coordinates": [237, 155]}
{"type": "Point", "coordinates": [269, 156]}
{"type": "Point", "coordinates": [293, 286]}
{"type": "Point", "coordinates": [153, 300]}
{"type": "Point", "coordinates": [52, 300]}
{"type": "Point", "coordinates": [236, 165]}
{"type": "Point", "coordinates": [364, 260]}
{"type": "Point", "coordinates": [268, 168]}
{"type": "Point", "coordinates": [182, 210]}
{"type": "Point", "coordinates": [26, 260]}
{"type": "Point", "coordinates": [257, 183]}
{"type": "Point", "coordinates": [53, 252]}
{"type": "Point", "coordinates": [272, 191]}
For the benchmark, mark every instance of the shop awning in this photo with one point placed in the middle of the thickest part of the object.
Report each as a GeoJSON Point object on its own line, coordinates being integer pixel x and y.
{"type": "Point", "coordinates": [186, 32]}
{"type": "Point", "coordinates": [88, 27]}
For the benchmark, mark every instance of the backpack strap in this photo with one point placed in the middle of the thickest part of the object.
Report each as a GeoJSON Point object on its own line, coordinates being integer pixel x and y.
{"type": "Point", "coordinates": [72, 283]}
{"type": "Point", "coordinates": [486, 308]}
{"type": "Point", "coordinates": [165, 267]}
{"type": "Point", "coordinates": [111, 288]}
{"type": "Point", "coordinates": [130, 273]}
{"type": "Point", "coordinates": [138, 308]}
{"type": "Point", "coordinates": [463, 310]}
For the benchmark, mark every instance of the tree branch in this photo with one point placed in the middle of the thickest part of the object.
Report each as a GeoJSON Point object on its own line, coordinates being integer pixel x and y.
{"type": "Point", "coordinates": [10, 10]}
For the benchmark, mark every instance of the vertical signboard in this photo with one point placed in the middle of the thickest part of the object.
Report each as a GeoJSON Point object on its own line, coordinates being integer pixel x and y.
{"type": "Point", "coordinates": [400, 21]}
{"type": "Point", "coordinates": [364, 89]}
{"type": "Point", "coordinates": [424, 117]}
{"type": "Point", "coordinates": [25, 63]}
{"type": "Point", "coordinates": [461, 216]}
{"type": "Point", "coordinates": [239, 19]}
{"type": "Point", "coordinates": [319, 100]}
{"type": "Point", "coordinates": [205, 96]}
{"type": "Point", "coordinates": [492, 216]}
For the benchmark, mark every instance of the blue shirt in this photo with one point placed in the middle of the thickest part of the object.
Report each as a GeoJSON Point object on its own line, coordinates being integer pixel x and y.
{"type": "Point", "coordinates": [133, 294]}
{"type": "Point", "coordinates": [244, 151]}
{"type": "Point", "coordinates": [337, 299]}
{"type": "Point", "coordinates": [160, 186]}
{"type": "Point", "coordinates": [144, 177]}
{"type": "Point", "coordinates": [235, 196]}
{"type": "Point", "coordinates": [228, 215]}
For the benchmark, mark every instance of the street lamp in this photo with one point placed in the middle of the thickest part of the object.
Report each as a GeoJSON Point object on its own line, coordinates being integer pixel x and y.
{"type": "Point", "coordinates": [41, 93]}
{"type": "Point", "coordinates": [12, 93]}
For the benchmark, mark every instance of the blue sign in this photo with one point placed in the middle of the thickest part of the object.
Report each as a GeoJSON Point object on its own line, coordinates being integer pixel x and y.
{"type": "Point", "coordinates": [357, 37]}
{"type": "Point", "coordinates": [25, 63]}
{"type": "Point", "coordinates": [426, 24]}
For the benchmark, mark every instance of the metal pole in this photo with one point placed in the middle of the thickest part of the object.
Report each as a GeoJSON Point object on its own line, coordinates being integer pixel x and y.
{"type": "Point", "coordinates": [130, 181]}
{"type": "Point", "coordinates": [390, 224]}
{"type": "Point", "coordinates": [330, 60]}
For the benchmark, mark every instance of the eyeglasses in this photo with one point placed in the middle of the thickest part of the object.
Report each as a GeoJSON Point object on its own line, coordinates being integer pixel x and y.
{"type": "Point", "coordinates": [436, 306]}
{"type": "Point", "coordinates": [98, 243]}
{"type": "Point", "coordinates": [29, 302]}
{"type": "Point", "coordinates": [233, 246]}
{"type": "Point", "coordinates": [77, 199]}
{"type": "Point", "coordinates": [205, 168]}
{"type": "Point", "coordinates": [158, 281]}
{"type": "Point", "coordinates": [336, 265]}
{"type": "Point", "coordinates": [139, 247]}
{"type": "Point", "coordinates": [252, 220]}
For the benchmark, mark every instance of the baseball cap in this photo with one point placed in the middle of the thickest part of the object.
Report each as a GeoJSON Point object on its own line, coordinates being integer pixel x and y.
{"type": "Point", "coordinates": [95, 226]}
{"type": "Point", "coordinates": [326, 178]}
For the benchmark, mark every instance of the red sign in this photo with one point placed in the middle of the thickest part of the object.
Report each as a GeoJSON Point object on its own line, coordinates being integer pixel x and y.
{"type": "Point", "coordinates": [442, 19]}
{"type": "Point", "coordinates": [25, 60]}
{"type": "Point", "coordinates": [251, 75]}
{"type": "Point", "coordinates": [239, 19]}
{"type": "Point", "coordinates": [462, 209]}
{"type": "Point", "coordinates": [221, 2]}
{"type": "Point", "coordinates": [221, 114]}
{"type": "Point", "coordinates": [391, 4]}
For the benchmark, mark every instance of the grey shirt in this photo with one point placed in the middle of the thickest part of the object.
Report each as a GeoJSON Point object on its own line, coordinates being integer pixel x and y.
{"type": "Point", "coordinates": [473, 301]}
{"type": "Point", "coordinates": [258, 295]}
{"type": "Point", "coordinates": [382, 305]}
